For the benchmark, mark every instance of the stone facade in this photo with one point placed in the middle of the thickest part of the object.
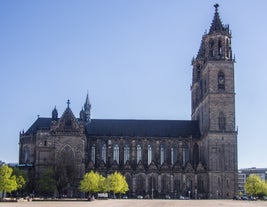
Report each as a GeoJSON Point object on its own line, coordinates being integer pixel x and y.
{"type": "Point", "coordinates": [159, 158]}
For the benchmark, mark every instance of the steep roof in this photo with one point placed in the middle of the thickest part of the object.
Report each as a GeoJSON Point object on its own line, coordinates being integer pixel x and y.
{"type": "Point", "coordinates": [40, 123]}
{"type": "Point", "coordinates": [143, 128]}
{"type": "Point", "coordinates": [140, 128]}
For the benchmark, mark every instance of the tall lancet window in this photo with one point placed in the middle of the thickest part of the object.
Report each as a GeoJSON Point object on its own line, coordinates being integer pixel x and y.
{"type": "Point", "coordinates": [162, 154]}
{"type": "Point", "coordinates": [116, 152]}
{"type": "Point", "coordinates": [93, 153]}
{"type": "Point", "coordinates": [149, 154]}
{"type": "Point", "coordinates": [220, 47]}
{"type": "Point", "coordinates": [26, 155]}
{"type": "Point", "coordinates": [104, 153]}
{"type": "Point", "coordinates": [139, 153]}
{"type": "Point", "coordinates": [211, 48]}
{"type": "Point", "coordinates": [126, 153]}
{"type": "Point", "coordinates": [227, 48]}
{"type": "Point", "coordinates": [173, 155]}
{"type": "Point", "coordinates": [221, 81]}
{"type": "Point", "coordinates": [185, 151]}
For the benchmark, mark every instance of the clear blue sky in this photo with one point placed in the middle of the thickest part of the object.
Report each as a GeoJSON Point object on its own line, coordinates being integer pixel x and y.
{"type": "Point", "coordinates": [132, 56]}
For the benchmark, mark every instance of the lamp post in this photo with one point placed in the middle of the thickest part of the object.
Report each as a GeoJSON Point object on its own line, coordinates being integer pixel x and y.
{"type": "Point", "coordinates": [189, 192]}
{"type": "Point", "coordinates": [195, 193]}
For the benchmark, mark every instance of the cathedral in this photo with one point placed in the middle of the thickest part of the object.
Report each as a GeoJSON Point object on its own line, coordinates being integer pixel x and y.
{"type": "Point", "coordinates": [194, 158]}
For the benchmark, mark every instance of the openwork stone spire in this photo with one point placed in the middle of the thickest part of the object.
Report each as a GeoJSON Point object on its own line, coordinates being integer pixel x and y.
{"type": "Point", "coordinates": [216, 25]}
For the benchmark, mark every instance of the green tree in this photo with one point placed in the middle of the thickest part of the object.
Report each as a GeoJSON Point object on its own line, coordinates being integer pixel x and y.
{"type": "Point", "coordinates": [93, 182]}
{"type": "Point", "coordinates": [21, 178]}
{"type": "Point", "coordinates": [117, 183]}
{"type": "Point", "coordinates": [255, 186]}
{"type": "Point", "coordinates": [47, 182]}
{"type": "Point", "coordinates": [8, 182]}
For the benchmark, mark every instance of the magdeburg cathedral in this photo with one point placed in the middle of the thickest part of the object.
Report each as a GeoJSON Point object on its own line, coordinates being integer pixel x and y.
{"type": "Point", "coordinates": [194, 158]}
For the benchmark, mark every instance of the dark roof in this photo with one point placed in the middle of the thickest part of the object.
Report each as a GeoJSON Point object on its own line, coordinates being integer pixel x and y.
{"type": "Point", "coordinates": [40, 123]}
{"type": "Point", "coordinates": [143, 128]}
{"type": "Point", "coordinates": [140, 128]}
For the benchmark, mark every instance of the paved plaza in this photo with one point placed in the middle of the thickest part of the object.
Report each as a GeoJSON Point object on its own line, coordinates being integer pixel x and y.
{"type": "Point", "coordinates": [139, 203]}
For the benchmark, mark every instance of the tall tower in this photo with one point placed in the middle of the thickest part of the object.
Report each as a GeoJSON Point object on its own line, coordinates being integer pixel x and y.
{"type": "Point", "coordinates": [213, 105]}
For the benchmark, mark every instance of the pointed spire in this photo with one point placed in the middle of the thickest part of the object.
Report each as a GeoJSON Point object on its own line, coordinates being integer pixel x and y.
{"type": "Point", "coordinates": [87, 109]}
{"type": "Point", "coordinates": [216, 25]}
{"type": "Point", "coordinates": [54, 114]}
{"type": "Point", "coordinates": [87, 104]}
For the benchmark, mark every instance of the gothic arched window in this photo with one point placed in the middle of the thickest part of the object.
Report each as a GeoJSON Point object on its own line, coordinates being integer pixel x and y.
{"type": "Point", "coordinates": [173, 155]}
{"type": "Point", "coordinates": [227, 48]}
{"type": "Point", "coordinates": [162, 154]}
{"type": "Point", "coordinates": [104, 153]}
{"type": "Point", "coordinates": [126, 153]}
{"type": "Point", "coordinates": [149, 154]}
{"type": "Point", "coordinates": [93, 153]}
{"type": "Point", "coordinates": [221, 81]}
{"type": "Point", "coordinates": [116, 153]}
{"type": "Point", "coordinates": [139, 153]}
{"type": "Point", "coordinates": [220, 47]}
{"type": "Point", "coordinates": [26, 155]}
{"type": "Point", "coordinates": [211, 48]}
{"type": "Point", "coordinates": [185, 151]}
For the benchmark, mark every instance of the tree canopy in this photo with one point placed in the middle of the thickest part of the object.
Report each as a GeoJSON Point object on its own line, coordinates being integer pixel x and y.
{"type": "Point", "coordinates": [47, 182]}
{"type": "Point", "coordinates": [117, 183]}
{"type": "Point", "coordinates": [21, 178]}
{"type": "Point", "coordinates": [8, 181]}
{"type": "Point", "coordinates": [93, 182]}
{"type": "Point", "coordinates": [255, 186]}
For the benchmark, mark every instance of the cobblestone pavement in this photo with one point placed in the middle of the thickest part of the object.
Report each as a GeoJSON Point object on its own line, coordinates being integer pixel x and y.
{"type": "Point", "coordinates": [139, 203]}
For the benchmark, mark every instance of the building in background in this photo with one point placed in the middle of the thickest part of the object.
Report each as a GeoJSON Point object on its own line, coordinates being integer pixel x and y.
{"type": "Point", "coordinates": [195, 158]}
{"type": "Point", "coordinates": [244, 173]}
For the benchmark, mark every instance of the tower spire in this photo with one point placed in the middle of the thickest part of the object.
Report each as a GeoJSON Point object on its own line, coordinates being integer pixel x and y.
{"type": "Point", "coordinates": [87, 109]}
{"type": "Point", "coordinates": [216, 25]}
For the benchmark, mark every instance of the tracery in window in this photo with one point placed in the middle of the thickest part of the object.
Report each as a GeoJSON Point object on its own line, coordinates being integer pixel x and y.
{"type": "Point", "coordinates": [185, 151]}
{"type": "Point", "coordinates": [173, 155]}
{"type": "Point", "coordinates": [139, 153]}
{"type": "Point", "coordinates": [126, 153]}
{"type": "Point", "coordinates": [116, 152]}
{"type": "Point", "coordinates": [93, 153]}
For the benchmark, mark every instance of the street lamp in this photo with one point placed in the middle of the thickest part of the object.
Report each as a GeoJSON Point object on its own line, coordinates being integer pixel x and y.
{"type": "Point", "coordinates": [189, 194]}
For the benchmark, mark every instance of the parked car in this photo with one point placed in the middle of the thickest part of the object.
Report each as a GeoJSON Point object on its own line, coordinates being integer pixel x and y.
{"type": "Point", "coordinates": [236, 197]}
{"type": "Point", "coordinates": [245, 198]}
{"type": "Point", "coordinates": [167, 197]}
{"type": "Point", "coordinates": [139, 197]}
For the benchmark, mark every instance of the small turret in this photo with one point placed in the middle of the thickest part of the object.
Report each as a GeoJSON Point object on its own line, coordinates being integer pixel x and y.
{"type": "Point", "coordinates": [54, 114]}
{"type": "Point", "coordinates": [82, 115]}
